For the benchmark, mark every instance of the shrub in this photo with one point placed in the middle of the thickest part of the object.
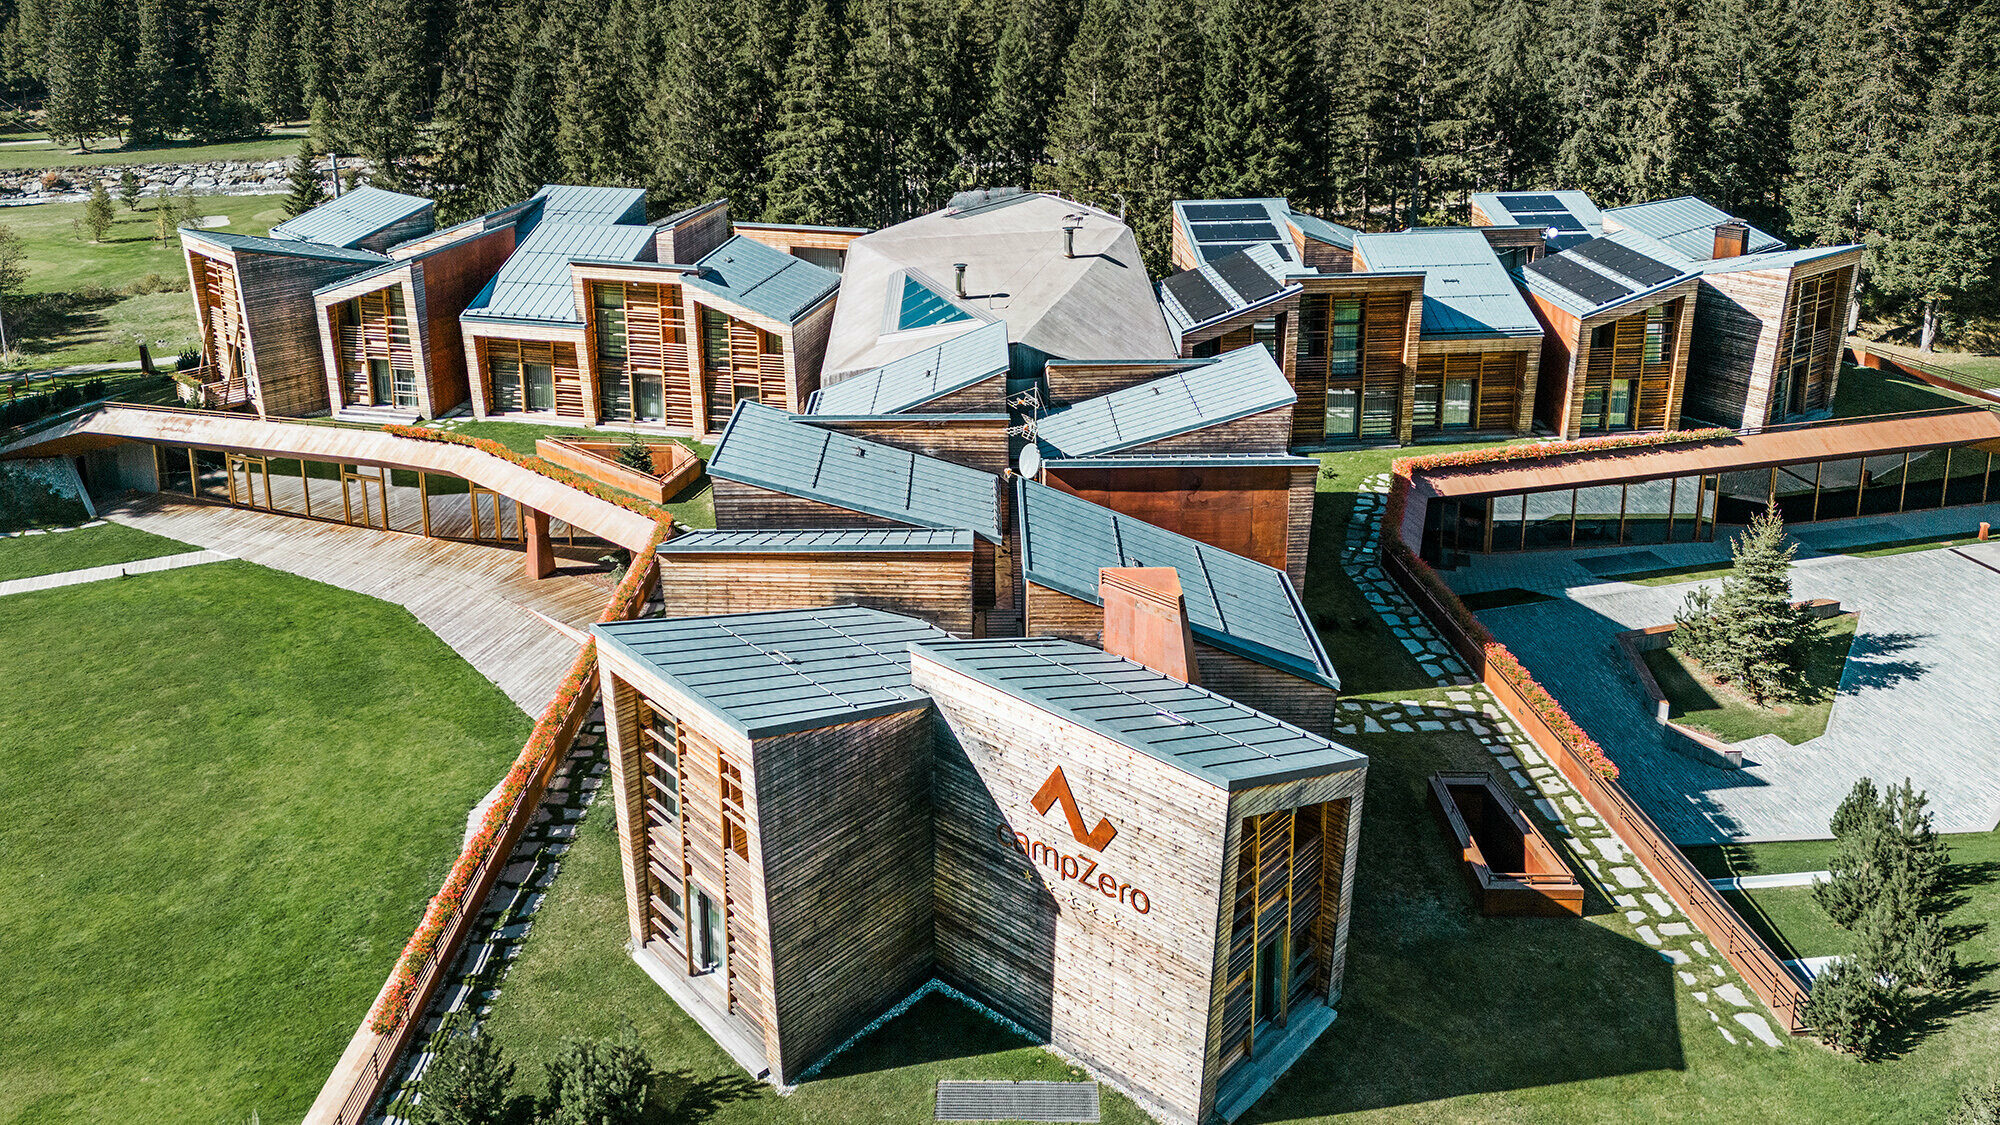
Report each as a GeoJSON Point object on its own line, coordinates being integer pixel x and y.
{"type": "Point", "coordinates": [1979, 1105]}
{"type": "Point", "coordinates": [67, 395]}
{"type": "Point", "coordinates": [598, 1082]}
{"type": "Point", "coordinates": [1751, 633]}
{"type": "Point", "coordinates": [635, 455]}
{"type": "Point", "coordinates": [1849, 1009]}
{"type": "Point", "coordinates": [1928, 959]}
{"type": "Point", "coordinates": [189, 359]}
{"type": "Point", "coordinates": [466, 1083]}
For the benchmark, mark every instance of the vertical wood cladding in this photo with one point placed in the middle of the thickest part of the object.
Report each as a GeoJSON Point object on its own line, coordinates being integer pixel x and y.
{"type": "Point", "coordinates": [1280, 694]}
{"type": "Point", "coordinates": [263, 305]}
{"type": "Point", "coordinates": [1069, 383]}
{"type": "Point", "coordinates": [1300, 494]}
{"type": "Point", "coordinates": [976, 441]}
{"type": "Point", "coordinates": [935, 587]}
{"type": "Point", "coordinates": [845, 832]}
{"type": "Point", "coordinates": [1127, 992]}
{"type": "Point", "coordinates": [503, 365]}
{"type": "Point", "coordinates": [650, 350]}
{"type": "Point", "coordinates": [452, 276]}
{"type": "Point", "coordinates": [1268, 432]}
{"type": "Point", "coordinates": [1750, 326]}
{"type": "Point", "coordinates": [690, 240]}
{"type": "Point", "coordinates": [1582, 358]}
{"type": "Point", "coordinates": [1357, 335]}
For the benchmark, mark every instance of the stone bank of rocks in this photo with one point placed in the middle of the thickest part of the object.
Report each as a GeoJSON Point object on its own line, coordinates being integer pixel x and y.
{"type": "Point", "coordinates": [222, 177]}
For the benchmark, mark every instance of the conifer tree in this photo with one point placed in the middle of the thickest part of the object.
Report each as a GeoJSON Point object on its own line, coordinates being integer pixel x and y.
{"type": "Point", "coordinates": [466, 1083]}
{"type": "Point", "coordinates": [1670, 138]}
{"type": "Point", "coordinates": [464, 139]}
{"type": "Point", "coordinates": [308, 190]}
{"type": "Point", "coordinates": [1260, 104]}
{"type": "Point", "coordinates": [1750, 634]}
{"type": "Point", "coordinates": [98, 213]}
{"type": "Point", "coordinates": [83, 83]}
{"type": "Point", "coordinates": [702, 111]}
{"type": "Point", "coordinates": [1163, 91]}
{"type": "Point", "coordinates": [811, 170]}
{"type": "Point", "coordinates": [1086, 156]}
{"type": "Point", "coordinates": [593, 126]}
{"type": "Point", "coordinates": [527, 156]}
{"type": "Point", "coordinates": [128, 189]}
{"type": "Point", "coordinates": [156, 70]}
{"type": "Point", "coordinates": [1027, 79]}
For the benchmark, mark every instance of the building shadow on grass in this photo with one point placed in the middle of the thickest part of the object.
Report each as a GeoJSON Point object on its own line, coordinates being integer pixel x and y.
{"type": "Point", "coordinates": [1441, 1002]}
{"type": "Point", "coordinates": [935, 1029]}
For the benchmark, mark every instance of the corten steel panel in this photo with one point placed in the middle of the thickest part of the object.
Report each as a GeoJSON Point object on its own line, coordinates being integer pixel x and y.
{"type": "Point", "coordinates": [1243, 510]}
{"type": "Point", "coordinates": [1750, 451]}
{"type": "Point", "coordinates": [1126, 991]}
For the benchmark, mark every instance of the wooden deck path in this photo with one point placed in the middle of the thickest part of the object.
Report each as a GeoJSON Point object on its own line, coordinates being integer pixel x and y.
{"type": "Point", "coordinates": [475, 598]}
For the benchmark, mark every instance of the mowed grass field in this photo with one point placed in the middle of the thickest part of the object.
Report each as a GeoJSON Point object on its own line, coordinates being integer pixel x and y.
{"type": "Point", "coordinates": [84, 301]}
{"type": "Point", "coordinates": [26, 556]}
{"type": "Point", "coordinates": [36, 150]}
{"type": "Point", "coordinates": [230, 792]}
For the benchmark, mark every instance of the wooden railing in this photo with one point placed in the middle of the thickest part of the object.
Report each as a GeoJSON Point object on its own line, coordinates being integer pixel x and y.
{"type": "Point", "coordinates": [370, 1060]}
{"type": "Point", "coordinates": [1760, 968]}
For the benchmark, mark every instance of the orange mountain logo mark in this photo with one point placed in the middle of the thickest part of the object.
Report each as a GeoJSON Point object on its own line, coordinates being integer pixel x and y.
{"type": "Point", "coordinates": [1055, 789]}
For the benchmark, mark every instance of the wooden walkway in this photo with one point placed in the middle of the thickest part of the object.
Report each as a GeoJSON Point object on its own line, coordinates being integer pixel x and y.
{"type": "Point", "coordinates": [475, 598]}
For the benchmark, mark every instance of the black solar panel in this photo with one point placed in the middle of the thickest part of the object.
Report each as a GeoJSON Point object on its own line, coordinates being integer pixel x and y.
{"type": "Point", "coordinates": [1246, 277]}
{"type": "Point", "coordinates": [1579, 279]}
{"type": "Point", "coordinates": [1196, 295]}
{"type": "Point", "coordinates": [1627, 261]}
{"type": "Point", "coordinates": [1223, 212]}
{"type": "Point", "coordinates": [1234, 232]}
{"type": "Point", "coordinates": [1520, 203]}
{"type": "Point", "coordinates": [1561, 220]}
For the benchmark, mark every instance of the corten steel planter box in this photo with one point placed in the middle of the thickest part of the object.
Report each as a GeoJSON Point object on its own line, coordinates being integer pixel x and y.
{"type": "Point", "coordinates": [674, 465]}
{"type": "Point", "coordinates": [1513, 869]}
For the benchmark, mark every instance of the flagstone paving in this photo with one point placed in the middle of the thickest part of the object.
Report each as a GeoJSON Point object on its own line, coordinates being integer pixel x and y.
{"type": "Point", "coordinates": [1468, 708]}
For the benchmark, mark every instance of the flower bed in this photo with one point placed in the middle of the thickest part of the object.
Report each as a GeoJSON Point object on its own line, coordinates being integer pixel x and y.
{"type": "Point", "coordinates": [536, 464]}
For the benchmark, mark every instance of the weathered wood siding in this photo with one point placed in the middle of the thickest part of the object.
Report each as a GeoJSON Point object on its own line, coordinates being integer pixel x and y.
{"type": "Point", "coordinates": [1070, 383]}
{"type": "Point", "coordinates": [1034, 941]}
{"type": "Point", "coordinates": [415, 225]}
{"type": "Point", "coordinates": [975, 440]}
{"type": "Point", "coordinates": [1744, 323]}
{"type": "Point", "coordinates": [1572, 363]}
{"type": "Point", "coordinates": [845, 831]}
{"type": "Point", "coordinates": [1391, 317]}
{"type": "Point", "coordinates": [1267, 432]}
{"type": "Point", "coordinates": [689, 240]}
{"type": "Point", "coordinates": [934, 586]}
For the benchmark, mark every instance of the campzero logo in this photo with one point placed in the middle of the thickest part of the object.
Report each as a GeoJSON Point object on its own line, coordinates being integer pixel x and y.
{"type": "Point", "coordinates": [1068, 868]}
{"type": "Point", "coordinates": [1056, 790]}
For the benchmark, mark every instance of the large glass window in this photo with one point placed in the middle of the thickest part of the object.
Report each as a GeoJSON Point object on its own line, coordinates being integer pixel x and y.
{"type": "Point", "coordinates": [1549, 518]}
{"type": "Point", "coordinates": [1343, 412]}
{"type": "Point", "coordinates": [378, 380]}
{"type": "Point", "coordinates": [1618, 413]}
{"type": "Point", "coordinates": [652, 399]}
{"type": "Point", "coordinates": [1458, 396]}
{"type": "Point", "coordinates": [1425, 404]}
{"type": "Point", "coordinates": [609, 303]}
{"type": "Point", "coordinates": [540, 381]}
{"type": "Point", "coordinates": [506, 381]}
{"type": "Point", "coordinates": [1656, 334]}
{"type": "Point", "coordinates": [1265, 332]}
{"type": "Point", "coordinates": [1344, 343]}
{"type": "Point", "coordinates": [1378, 412]}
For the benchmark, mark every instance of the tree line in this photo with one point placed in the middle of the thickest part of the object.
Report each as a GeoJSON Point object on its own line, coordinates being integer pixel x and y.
{"type": "Point", "coordinates": [1874, 121]}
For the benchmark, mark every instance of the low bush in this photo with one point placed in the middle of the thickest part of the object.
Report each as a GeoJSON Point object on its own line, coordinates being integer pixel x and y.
{"type": "Point", "coordinates": [1850, 1009]}
{"type": "Point", "coordinates": [598, 1082]}
{"type": "Point", "coordinates": [466, 1083]}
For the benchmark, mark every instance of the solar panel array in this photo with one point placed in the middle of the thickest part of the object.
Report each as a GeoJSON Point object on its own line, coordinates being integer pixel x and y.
{"type": "Point", "coordinates": [1223, 212]}
{"type": "Point", "coordinates": [1627, 261]}
{"type": "Point", "coordinates": [1516, 204]}
{"type": "Point", "coordinates": [1196, 295]}
{"type": "Point", "coordinates": [1579, 279]}
{"type": "Point", "coordinates": [1234, 232]}
{"type": "Point", "coordinates": [1246, 277]}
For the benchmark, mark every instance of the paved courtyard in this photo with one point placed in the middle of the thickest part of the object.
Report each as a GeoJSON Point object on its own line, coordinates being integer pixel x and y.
{"type": "Point", "coordinates": [1917, 700]}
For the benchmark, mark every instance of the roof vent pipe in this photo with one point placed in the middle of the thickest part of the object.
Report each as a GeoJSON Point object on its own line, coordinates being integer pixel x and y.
{"type": "Point", "coordinates": [1070, 224]}
{"type": "Point", "coordinates": [959, 269]}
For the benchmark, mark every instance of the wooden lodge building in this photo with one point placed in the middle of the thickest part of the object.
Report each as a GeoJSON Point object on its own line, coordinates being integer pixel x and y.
{"type": "Point", "coordinates": [1178, 925]}
{"type": "Point", "coordinates": [948, 400]}
{"type": "Point", "coordinates": [1770, 321]}
{"type": "Point", "coordinates": [1617, 326]}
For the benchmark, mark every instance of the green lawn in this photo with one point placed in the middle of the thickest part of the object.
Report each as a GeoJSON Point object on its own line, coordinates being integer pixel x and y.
{"type": "Point", "coordinates": [40, 152]}
{"type": "Point", "coordinates": [1697, 701]}
{"type": "Point", "coordinates": [1790, 921]}
{"type": "Point", "coordinates": [89, 302]}
{"type": "Point", "coordinates": [1973, 369]}
{"type": "Point", "coordinates": [1864, 391]}
{"type": "Point", "coordinates": [229, 793]}
{"type": "Point", "coordinates": [695, 506]}
{"type": "Point", "coordinates": [26, 556]}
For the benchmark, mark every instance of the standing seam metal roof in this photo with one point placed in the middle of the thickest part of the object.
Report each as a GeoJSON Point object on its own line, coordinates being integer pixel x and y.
{"type": "Point", "coordinates": [291, 247]}
{"type": "Point", "coordinates": [534, 282]}
{"type": "Point", "coordinates": [1190, 728]}
{"type": "Point", "coordinates": [1688, 225]}
{"type": "Point", "coordinates": [763, 278]}
{"type": "Point", "coordinates": [1235, 385]}
{"type": "Point", "coordinates": [1542, 286]}
{"type": "Point", "coordinates": [1181, 319]}
{"type": "Point", "coordinates": [774, 673]}
{"type": "Point", "coordinates": [1234, 603]}
{"type": "Point", "coordinates": [1466, 290]}
{"type": "Point", "coordinates": [598, 206]}
{"type": "Point", "coordinates": [883, 540]}
{"type": "Point", "coordinates": [345, 221]}
{"type": "Point", "coordinates": [921, 377]}
{"type": "Point", "coordinates": [768, 448]}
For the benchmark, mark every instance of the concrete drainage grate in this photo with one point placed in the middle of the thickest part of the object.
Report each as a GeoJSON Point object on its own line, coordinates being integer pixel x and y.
{"type": "Point", "coordinates": [1017, 1101]}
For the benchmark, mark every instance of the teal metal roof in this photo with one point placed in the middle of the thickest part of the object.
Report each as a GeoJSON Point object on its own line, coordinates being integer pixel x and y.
{"type": "Point", "coordinates": [763, 279]}
{"type": "Point", "coordinates": [1184, 460]}
{"type": "Point", "coordinates": [1190, 728]}
{"type": "Point", "coordinates": [1687, 225]}
{"type": "Point", "coordinates": [1587, 266]}
{"type": "Point", "coordinates": [347, 221]}
{"type": "Point", "coordinates": [603, 206]}
{"type": "Point", "coordinates": [1466, 290]}
{"type": "Point", "coordinates": [285, 246]}
{"type": "Point", "coordinates": [534, 282]}
{"type": "Point", "coordinates": [768, 448]}
{"type": "Point", "coordinates": [774, 673]}
{"type": "Point", "coordinates": [920, 377]}
{"type": "Point", "coordinates": [1237, 604]}
{"type": "Point", "coordinates": [1774, 259]}
{"type": "Point", "coordinates": [1322, 230]}
{"type": "Point", "coordinates": [884, 540]}
{"type": "Point", "coordinates": [1234, 385]}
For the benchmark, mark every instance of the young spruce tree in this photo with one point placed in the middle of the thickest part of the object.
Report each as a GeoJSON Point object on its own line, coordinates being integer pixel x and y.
{"type": "Point", "coordinates": [1750, 634]}
{"type": "Point", "coordinates": [308, 189]}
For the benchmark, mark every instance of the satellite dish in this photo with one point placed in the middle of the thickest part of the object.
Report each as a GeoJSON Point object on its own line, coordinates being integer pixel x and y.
{"type": "Point", "coordinates": [1031, 462]}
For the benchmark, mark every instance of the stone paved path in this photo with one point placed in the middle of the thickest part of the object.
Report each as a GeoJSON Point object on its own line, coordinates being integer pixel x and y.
{"type": "Point", "coordinates": [1916, 699]}
{"type": "Point", "coordinates": [109, 570]}
{"type": "Point", "coordinates": [1467, 707]}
